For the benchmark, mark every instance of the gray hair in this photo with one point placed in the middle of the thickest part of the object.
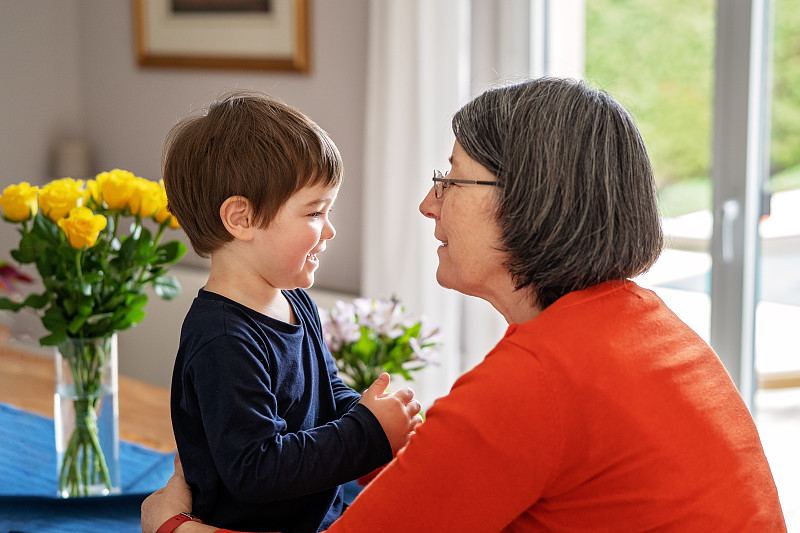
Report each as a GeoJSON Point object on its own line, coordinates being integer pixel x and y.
{"type": "Point", "coordinates": [577, 199]}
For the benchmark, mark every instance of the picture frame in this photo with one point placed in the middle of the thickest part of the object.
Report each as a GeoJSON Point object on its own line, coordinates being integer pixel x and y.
{"type": "Point", "coordinates": [223, 34]}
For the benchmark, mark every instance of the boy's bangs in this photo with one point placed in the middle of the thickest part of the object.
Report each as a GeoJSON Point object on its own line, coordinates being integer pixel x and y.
{"type": "Point", "coordinates": [323, 166]}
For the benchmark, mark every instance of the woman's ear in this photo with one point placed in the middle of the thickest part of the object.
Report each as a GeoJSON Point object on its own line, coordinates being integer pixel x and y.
{"type": "Point", "coordinates": [237, 217]}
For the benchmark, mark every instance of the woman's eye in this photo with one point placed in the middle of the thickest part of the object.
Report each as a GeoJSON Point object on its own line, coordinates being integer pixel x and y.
{"type": "Point", "coordinates": [315, 214]}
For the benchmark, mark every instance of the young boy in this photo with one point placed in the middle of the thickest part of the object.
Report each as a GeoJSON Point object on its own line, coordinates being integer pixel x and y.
{"type": "Point", "coordinates": [266, 430]}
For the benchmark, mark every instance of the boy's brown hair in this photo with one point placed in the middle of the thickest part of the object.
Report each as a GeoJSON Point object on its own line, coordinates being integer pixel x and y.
{"type": "Point", "coordinates": [244, 144]}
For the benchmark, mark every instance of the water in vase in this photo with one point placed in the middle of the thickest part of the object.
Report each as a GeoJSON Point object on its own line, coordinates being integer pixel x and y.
{"type": "Point", "coordinates": [80, 436]}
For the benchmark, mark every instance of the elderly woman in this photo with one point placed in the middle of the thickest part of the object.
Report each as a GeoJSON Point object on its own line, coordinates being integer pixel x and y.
{"type": "Point", "coordinates": [599, 410]}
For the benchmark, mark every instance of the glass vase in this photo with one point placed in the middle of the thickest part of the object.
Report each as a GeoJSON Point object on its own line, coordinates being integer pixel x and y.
{"type": "Point", "coordinates": [87, 417]}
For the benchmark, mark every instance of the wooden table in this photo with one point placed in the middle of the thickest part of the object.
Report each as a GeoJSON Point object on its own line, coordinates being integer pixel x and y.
{"type": "Point", "coordinates": [27, 380]}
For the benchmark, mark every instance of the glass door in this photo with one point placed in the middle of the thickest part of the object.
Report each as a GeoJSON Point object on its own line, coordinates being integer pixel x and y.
{"type": "Point", "coordinates": [778, 307]}
{"type": "Point", "coordinates": [722, 123]}
{"type": "Point", "coordinates": [721, 120]}
{"type": "Point", "coordinates": [777, 324]}
{"type": "Point", "coordinates": [657, 58]}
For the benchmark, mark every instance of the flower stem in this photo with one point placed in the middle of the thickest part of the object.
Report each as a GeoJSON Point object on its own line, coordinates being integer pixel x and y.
{"type": "Point", "coordinates": [160, 232]}
{"type": "Point", "coordinates": [84, 462]}
{"type": "Point", "coordinates": [78, 267]}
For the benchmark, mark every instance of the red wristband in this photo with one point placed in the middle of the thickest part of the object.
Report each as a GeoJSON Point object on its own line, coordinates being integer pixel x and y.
{"type": "Point", "coordinates": [170, 525]}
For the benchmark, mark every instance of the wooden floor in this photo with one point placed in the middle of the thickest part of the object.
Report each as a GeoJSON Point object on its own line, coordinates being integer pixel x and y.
{"type": "Point", "coordinates": [27, 381]}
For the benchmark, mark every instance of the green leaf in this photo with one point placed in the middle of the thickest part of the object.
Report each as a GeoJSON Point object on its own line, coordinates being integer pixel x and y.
{"type": "Point", "coordinates": [131, 312]}
{"type": "Point", "coordinates": [122, 325]}
{"type": "Point", "coordinates": [46, 229]}
{"type": "Point", "coordinates": [170, 252]}
{"type": "Point", "coordinates": [70, 306]}
{"type": "Point", "coordinates": [37, 301]}
{"type": "Point", "coordinates": [21, 257]}
{"type": "Point", "coordinates": [76, 324]}
{"type": "Point", "coordinates": [136, 301]}
{"type": "Point", "coordinates": [31, 248]}
{"type": "Point", "coordinates": [97, 317]}
{"type": "Point", "coordinates": [134, 316]}
{"type": "Point", "coordinates": [54, 339]}
{"type": "Point", "coordinates": [127, 253]}
{"type": "Point", "coordinates": [167, 287]}
{"type": "Point", "coordinates": [5, 303]}
{"type": "Point", "coordinates": [54, 321]}
{"type": "Point", "coordinates": [114, 302]}
{"type": "Point", "coordinates": [144, 242]}
{"type": "Point", "coordinates": [52, 316]}
{"type": "Point", "coordinates": [85, 306]}
{"type": "Point", "coordinates": [92, 277]}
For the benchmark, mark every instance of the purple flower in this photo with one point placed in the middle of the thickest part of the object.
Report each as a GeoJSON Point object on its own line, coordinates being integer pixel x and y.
{"type": "Point", "coordinates": [367, 337]}
{"type": "Point", "coordinates": [339, 325]}
{"type": "Point", "coordinates": [10, 278]}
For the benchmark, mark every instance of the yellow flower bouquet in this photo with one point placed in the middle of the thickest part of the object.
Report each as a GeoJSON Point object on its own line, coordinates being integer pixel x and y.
{"type": "Point", "coordinates": [94, 272]}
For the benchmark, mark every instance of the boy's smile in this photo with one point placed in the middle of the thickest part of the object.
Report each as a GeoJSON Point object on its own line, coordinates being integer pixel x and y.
{"type": "Point", "coordinates": [313, 255]}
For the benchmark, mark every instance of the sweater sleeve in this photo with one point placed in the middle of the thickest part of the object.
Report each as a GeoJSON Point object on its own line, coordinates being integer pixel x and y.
{"type": "Point", "coordinates": [345, 397]}
{"type": "Point", "coordinates": [475, 464]}
{"type": "Point", "coordinates": [256, 456]}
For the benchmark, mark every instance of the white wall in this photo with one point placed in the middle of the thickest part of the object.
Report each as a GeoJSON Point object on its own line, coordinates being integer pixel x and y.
{"type": "Point", "coordinates": [40, 87]}
{"type": "Point", "coordinates": [68, 69]}
{"type": "Point", "coordinates": [39, 90]}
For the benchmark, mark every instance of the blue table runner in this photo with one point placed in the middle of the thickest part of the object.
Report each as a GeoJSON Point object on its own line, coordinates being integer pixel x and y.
{"type": "Point", "coordinates": [28, 484]}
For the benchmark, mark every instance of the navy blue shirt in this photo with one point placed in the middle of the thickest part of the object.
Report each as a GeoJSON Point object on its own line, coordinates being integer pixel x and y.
{"type": "Point", "coordinates": [266, 430]}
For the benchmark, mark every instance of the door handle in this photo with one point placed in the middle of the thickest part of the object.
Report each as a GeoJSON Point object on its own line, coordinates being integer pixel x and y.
{"type": "Point", "coordinates": [730, 213]}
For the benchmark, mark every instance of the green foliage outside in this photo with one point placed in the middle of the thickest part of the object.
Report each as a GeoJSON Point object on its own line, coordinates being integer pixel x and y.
{"type": "Point", "coordinates": [657, 58]}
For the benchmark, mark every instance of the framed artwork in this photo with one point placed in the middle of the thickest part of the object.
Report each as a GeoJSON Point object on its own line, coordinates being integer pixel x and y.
{"type": "Point", "coordinates": [223, 34]}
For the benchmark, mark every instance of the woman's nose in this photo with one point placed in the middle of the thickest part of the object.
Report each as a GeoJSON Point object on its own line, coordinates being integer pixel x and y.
{"type": "Point", "coordinates": [429, 207]}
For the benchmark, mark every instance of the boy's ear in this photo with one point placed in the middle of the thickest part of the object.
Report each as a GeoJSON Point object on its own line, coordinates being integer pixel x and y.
{"type": "Point", "coordinates": [237, 217]}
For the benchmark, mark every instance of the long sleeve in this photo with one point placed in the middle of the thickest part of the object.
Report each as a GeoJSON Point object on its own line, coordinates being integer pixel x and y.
{"type": "Point", "coordinates": [474, 464]}
{"type": "Point", "coordinates": [344, 396]}
{"type": "Point", "coordinates": [254, 450]}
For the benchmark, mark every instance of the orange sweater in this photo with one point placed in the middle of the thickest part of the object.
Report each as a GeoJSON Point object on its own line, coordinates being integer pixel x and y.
{"type": "Point", "coordinates": [604, 413]}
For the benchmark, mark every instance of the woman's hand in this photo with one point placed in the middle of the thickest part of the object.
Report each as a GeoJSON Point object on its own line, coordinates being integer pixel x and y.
{"type": "Point", "coordinates": [165, 503]}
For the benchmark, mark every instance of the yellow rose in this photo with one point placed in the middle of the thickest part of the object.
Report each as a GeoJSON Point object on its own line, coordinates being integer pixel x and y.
{"type": "Point", "coordinates": [94, 189]}
{"type": "Point", "coordinates": [145, 198]}
{"type": "Point", "coordinates": [163, 213]}
{"type": "Point", "coordinates": [82, 227]}
{"type": "Point", "coordinates": [58, 197]}
{"type": "Point", "coordinates": [116, 188]}
{"type": "Point", "coordinates": [19, 201]}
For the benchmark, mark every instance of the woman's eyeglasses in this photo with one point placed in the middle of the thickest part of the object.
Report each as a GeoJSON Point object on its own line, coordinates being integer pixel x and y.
{"type": "Point", "coordinates": [440, 183]}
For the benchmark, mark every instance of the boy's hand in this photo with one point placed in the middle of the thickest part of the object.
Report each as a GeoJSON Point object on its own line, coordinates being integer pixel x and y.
{"type": "Point", "coordinates": [398, 412]}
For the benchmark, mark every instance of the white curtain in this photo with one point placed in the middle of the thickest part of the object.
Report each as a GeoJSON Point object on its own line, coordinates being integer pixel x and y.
{"type": "Point", "coordinates": [419, 74]}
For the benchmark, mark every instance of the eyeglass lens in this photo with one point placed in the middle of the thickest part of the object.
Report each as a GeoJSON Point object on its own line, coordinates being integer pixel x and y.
{"type": "Point", "coordinates": [438, 186]}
